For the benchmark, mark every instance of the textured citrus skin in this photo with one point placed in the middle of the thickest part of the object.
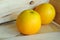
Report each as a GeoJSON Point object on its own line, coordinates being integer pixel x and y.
{"type": "Point", "coordinates": [28, 22]}
{"type": "Point", "coordinates": [47, 12]}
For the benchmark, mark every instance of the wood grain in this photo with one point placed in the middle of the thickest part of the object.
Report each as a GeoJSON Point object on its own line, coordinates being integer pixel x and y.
{"type": "Point", "coordinates": [56, 4]}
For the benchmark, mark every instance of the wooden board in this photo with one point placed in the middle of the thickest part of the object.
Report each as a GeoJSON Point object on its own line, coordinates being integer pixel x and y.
{"type": "Point", "coordinates": [56, 4]}
{"type": "Point", "coordinates": [10, 30]}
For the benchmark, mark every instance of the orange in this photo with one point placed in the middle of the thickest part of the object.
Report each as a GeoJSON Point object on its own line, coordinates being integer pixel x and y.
{"type": "Point", "coordinates": [28, 22]}
{"type": "Point", "coordinates": [47, 12]}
